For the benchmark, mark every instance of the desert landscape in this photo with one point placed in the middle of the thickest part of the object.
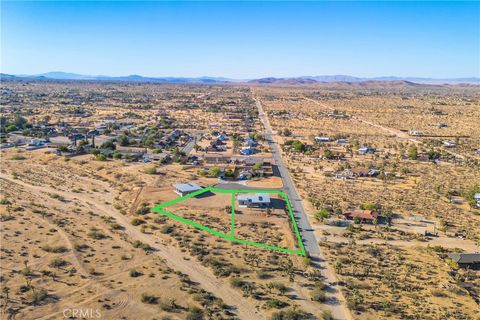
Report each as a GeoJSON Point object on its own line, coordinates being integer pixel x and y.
{"type": "Point", "coordinates": [78, 187]}
{"type": "Point", "coordinates": [239, 160]}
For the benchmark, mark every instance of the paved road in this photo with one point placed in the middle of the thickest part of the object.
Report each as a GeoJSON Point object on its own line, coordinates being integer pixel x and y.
{"type": "Point", "coordinates": [308, 234]}
{"type": "Point", "coordinates": [338, 305]}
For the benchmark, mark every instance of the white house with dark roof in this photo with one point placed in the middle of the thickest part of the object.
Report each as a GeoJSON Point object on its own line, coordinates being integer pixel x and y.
{"type": "Point", "coordinates": [258, 200]}
{"type": "Point", "coordinates": [183, 189]}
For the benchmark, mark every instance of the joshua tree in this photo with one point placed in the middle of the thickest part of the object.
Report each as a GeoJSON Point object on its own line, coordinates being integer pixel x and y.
{"type": "Point", "coordinates": [338, 267]}
{"type": "Point", "coordinates": [289, 269]}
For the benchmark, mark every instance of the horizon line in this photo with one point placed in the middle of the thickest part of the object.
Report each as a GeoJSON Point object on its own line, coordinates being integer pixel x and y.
{"type": "Point", "coordinates": [238, 79]}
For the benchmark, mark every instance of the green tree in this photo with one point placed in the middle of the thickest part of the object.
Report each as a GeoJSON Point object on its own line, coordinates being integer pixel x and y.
{"type": "Point", "coordinates": [413, 153]}
{"type": "Point", "coordinates": [298, 146]}
{"type": "Point", "coordinates": [123, 140]}
{"type": "Point", "coordinates": [10, 128]}
{"type": "Point", "coordinates": [101, 157]}
{"type": "Point", "coordinates": [321, 214]}
{"type": "Point", "coordinates": [214, 171]}
{"type": "Point", "coordinates": [108, 145]}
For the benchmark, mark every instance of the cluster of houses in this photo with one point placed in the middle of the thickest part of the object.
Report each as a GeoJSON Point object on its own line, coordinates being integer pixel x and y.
{"type": "Point", "coordinates": [219, 144]}
{"type": "Point", "coordinates": [249, 146]}
{"type": "Point", "coordinates": [70, 140]}
{"type": "Point", "coordinates": [241, 167]}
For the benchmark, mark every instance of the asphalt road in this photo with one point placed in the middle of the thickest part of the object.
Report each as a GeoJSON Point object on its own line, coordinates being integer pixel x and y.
{"type": "Point", "coordinates": [309, 240]}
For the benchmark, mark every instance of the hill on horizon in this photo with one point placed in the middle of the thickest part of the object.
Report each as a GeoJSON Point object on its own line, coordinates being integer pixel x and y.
{"type": "Point", "coordinates": [60, 75]}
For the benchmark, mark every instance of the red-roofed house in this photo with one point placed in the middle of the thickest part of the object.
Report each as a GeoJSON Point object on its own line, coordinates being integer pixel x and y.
{"type": "Point", "coordinates": [363, 215]}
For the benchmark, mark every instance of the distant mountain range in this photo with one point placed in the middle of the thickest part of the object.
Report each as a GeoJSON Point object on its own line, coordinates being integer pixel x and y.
{"type": "Point", "coordinates": [351, 79]}
{"type": "Point", "coordinates": [131, 78]}
{"type": "Point", "coordinates": [269, 80]}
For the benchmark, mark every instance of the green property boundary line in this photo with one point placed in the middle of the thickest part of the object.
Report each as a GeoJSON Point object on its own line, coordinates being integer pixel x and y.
{"type": "Point", "coordinates": [231, 237]}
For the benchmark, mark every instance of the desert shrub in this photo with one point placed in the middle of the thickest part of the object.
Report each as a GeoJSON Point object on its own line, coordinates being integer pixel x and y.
{"type": "Point", "coordinates": [438, 293]}
{"type": "Point", "coordinates": [194, 313]}
{"type": "Point", "coordinates": [262, 274]}
{"type": "Point", "coordinates": [275, 303]}
{"type": "Point", "coordinates": [204, 298]}
{"type": "Point", "coordinates": [322, 214]}
{"type": "Point", "coordinates": [149, 299]}
{"type": "Point", "coordinates": [151, 170]}
{"type": "Point", "coordinates": [167, 229]}
{"type": "Point", "coordinates": [318, 295]}
{"type": "Point", "coordinates": [137, 221]}
{"type": "Point", "coordinates": [57, 196]}
{"type": "Point", "coordinates": [18, 157]}
{"type": "Point", "coordinates": [80, 247]}
{"type": "Point", "coordinates": [38, 296]}
{"type": "Point", "coordinates": [96, 234]}
{"type": "Point", "coordinates": [236, 282]}
{"type": "Point", "coordinates": [280, 287]}
{"type": "Point", "coordinates": [291, 314]}
{"type": "Point", "coordinates": [4, 201]}
{"type": "Point", "coordinates": [140, 244]}
{"type": "Point", "coordinates": [116, 226]}
{"type": "Point", "coordinates": [169, 306]}
{"type": "Point", "coordinates": [327, 315]}
{"type": "Point", "coordinates": [57, 249]}
{"type": "Point", "coordinates": [134, 273]}
{"type": "Point", "coordinates": [58, 263]}
{"type": "Point", "coordinates": [144, 209]}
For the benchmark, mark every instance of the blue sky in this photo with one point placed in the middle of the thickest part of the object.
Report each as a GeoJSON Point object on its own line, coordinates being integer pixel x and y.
{"type": "Point", "coordinates": [242, 39]}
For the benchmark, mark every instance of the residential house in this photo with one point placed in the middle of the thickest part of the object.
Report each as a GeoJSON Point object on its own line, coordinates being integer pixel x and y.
{"type": "Point", "coordinates": [476, 196]}
{"type": "Point", "coordinates": [247, 151]}
{"type": "Point", "coordinates": [132, 153]}
{"type": "Point", "coordinates": [415, 133]}
{"type": "Point", "coordinates": [344, 175]}
{"type": "Point", "coordinates": [222, 136]}
{"type": "Point", "coordinates": [366, 150]}
{"type": "Point", "coordinates": [183, 189]}
{"type": "Point", "coordinates": [249, 142]}
{"type": "Point", "coordinates": [257, 200]}
{"type": "Point", "coordinates": [364, 172]}
{"type": "Point", "coordinates": [162, 156]}
{"type": "Point", "coordinates": [449, 144]}
{"type": "Point", "coordinates": [362, 215]}
{"type": "Point", "coordinates": [215, 159]}
{"type": "Point", "coordinates": [471, 260]}
{"type": "Point", "coordinates": [322, 139]}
